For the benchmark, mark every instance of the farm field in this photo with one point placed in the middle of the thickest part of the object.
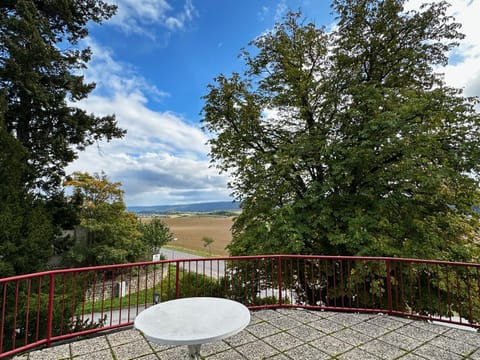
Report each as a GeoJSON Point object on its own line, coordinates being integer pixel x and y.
{"type": "Point", "coordinates": [190, 230]}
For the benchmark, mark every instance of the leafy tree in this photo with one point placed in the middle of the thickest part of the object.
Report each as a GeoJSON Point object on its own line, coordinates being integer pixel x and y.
{"type": "Point", "coordinates": [155, 234]}
{"type": "Point", "coordinates": [112, 233]}
{"type": "Point", "coordinates": [207, 242]}
{"type": "Point", "coordinates": [349, 142]}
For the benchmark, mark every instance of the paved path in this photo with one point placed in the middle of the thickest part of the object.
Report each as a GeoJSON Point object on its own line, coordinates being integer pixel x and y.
{"type": "Point", "coordinates": [292, 334]}
{"type": "Point", "coordinates": [214, 268]}
{"type": "Point", "coordinates": [172, 254]}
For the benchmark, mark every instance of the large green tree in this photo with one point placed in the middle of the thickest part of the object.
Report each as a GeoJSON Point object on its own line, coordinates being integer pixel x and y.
{"type": "Point", "coordinates": [348, 142]}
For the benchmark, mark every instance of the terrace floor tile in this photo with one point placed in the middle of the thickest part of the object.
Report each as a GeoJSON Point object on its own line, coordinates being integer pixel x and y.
{"type": "Point", "coordinates": [331, 345]}
{"type": "Point", "coordinates": [82, 347]}
{"type": "Point", "coordinates": [382, 349]}
{"type": "Point", "coordinates": [283, 341]}
{"type": "Point", "coordinates": [306, 352]}
{"type": "Point", "coordinates": [284, 335]}
{"type": "Point", "coordinates": [132, 350]}
{"type": "Point", "coordinates": [432, 352]}
{"type": "Point", "coordinates": [305, 333]}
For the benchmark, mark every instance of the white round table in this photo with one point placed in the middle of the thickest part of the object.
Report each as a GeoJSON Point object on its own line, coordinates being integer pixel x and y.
{"type": "Point", "coordinates": [192, 321]}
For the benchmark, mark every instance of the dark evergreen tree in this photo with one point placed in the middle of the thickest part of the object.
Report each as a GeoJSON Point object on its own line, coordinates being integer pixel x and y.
{"type": "Point", "coordinates": [40, 74]}
{"type": "Point", "coordinates": [26, 229]}
{"type": "Point", "coordinates": [41, 130]}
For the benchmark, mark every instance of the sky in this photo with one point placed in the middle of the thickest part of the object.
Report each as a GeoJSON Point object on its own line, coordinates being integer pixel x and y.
{"type": "Point", "coordinates": [152, 63]}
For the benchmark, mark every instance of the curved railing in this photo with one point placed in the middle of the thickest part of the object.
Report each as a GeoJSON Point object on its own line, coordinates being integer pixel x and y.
{"type": "Point", "coordinates": [38, 309]}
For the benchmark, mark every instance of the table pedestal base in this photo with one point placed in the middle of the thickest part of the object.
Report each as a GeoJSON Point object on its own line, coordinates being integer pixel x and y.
{"type": "Point", "coordinates": [194, 351]}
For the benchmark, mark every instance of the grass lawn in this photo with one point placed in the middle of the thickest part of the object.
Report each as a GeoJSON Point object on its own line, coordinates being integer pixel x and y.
{"type": "Point", "coordinates": [142, 297]}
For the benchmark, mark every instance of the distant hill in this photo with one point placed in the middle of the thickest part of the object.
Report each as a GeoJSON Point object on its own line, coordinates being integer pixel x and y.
{"type": "Point", "coordinates": [196, 208]}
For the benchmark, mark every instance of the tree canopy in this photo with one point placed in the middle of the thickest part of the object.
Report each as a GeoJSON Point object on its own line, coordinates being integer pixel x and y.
{"type": "Point", "coordinates": [112, 233]}
{"type": "Point", "coordinates": [349, 142]}
{"type": "Point", "coordinates": [155, 234]}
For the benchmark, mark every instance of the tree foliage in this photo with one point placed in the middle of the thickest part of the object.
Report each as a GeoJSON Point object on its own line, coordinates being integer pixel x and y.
{"type": "Point", "coordinates": [155, 234]}
{"type": "Point", "coordinates": [24, 230]}
{"type": "Point", "coordinates": [349, 142]}
{"type": "Point", "coordinates": [41, 59]}
{"type": "Point", "coordinates": [112, 233]}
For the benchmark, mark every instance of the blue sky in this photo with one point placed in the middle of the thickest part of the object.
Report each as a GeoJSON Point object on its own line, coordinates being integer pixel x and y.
{"type": "Point", "coordinates": [152, 62]}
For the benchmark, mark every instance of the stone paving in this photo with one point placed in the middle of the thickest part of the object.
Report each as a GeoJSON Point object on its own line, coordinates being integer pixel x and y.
{"type": "Point", "coordinates": [287, 334]}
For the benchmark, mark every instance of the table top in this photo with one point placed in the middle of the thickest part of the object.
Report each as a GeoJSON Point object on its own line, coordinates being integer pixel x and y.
{"type": "Point", "coordinates": [190, 321]}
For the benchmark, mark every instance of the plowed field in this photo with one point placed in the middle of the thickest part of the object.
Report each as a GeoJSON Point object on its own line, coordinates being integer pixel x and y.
{"type": "Point", "coordinates": [189, 232]}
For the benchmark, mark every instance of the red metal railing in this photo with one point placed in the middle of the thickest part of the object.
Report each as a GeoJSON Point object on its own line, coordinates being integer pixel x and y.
{"type": "Point", "coordinates": [38, 309]}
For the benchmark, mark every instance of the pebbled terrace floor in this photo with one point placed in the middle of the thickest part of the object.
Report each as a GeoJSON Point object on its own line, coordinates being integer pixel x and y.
{"type": "Point", "coordinates": [286, 334]}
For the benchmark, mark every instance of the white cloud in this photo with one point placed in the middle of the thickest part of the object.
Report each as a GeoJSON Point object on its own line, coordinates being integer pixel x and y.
{"type": "Point", "coordinates": [113, 77]}
{"type": "Point", "coordinates": [162, 159]}
{"type": "Point", "coordinates": [463, 71]}
{"type": "Point", "coordinates": [263, 13]}
{"type": "Point", "coordinates": [135, 16]}
{"type": "Point", "coordinates": [281, 10]}
{"type": "Point", "coordinates": [178, 22]}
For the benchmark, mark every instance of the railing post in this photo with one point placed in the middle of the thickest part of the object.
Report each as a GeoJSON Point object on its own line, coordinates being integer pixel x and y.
{"type": "Point", "coordinates": [2, 323]}
{"type": "Point", "coordinates": [51, 295]}
{"type": "Point", "coordinates": [279, 275]}
{"type": "Point", "coordinates": [177, 279]}
{"type": "Point", "coordinates": [389, 286]}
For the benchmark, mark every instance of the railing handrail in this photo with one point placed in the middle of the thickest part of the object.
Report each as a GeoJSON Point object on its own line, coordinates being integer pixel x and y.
{"type": "Point", "coordinates": [243, 257]}
{"type": "Point", "coordinates": [390, 269]}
